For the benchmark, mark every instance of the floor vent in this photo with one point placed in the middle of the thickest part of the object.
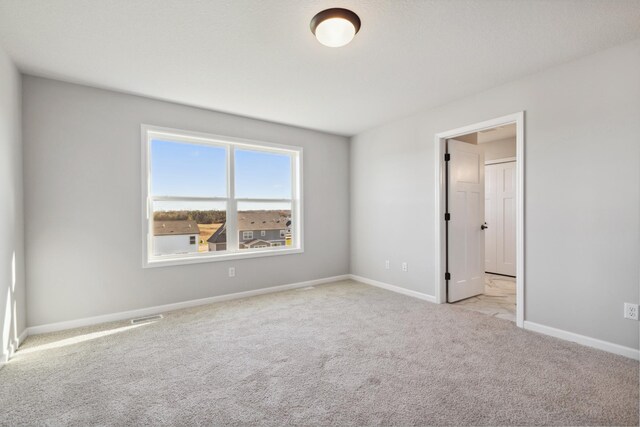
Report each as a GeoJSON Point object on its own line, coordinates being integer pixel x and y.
{"type": "Point", "coordinates": [146, 319]}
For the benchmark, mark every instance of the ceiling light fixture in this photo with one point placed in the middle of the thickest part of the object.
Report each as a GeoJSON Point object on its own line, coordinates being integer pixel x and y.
{"type": "Point", "coordinates": [335, 27]}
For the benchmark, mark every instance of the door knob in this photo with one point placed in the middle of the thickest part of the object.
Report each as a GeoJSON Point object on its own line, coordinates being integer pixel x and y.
{"type": "Point", "coordinates": [484, 226]}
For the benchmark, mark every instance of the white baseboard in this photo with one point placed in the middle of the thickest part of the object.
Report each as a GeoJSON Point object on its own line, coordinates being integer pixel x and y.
{"type": "Point", "coordinates": [124, 315]}
{"type": "Point", "coordinates": [23, 336]}
{"type": "Point", "coordinates": [584, 340]}
{"type": "Point", "coordinates": [7, 353]}
{"type": "Point", "coordinates": [394, 288]}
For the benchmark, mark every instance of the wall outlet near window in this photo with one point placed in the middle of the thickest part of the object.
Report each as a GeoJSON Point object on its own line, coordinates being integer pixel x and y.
{"type": "Point", "coordinates": [232, 272]}
{"type": "Point", "coordinates": [387, 265]}
{"type": "Point", "coordinates": [405, 267]}
{"type": "Point", "coordinates": [630, 311]}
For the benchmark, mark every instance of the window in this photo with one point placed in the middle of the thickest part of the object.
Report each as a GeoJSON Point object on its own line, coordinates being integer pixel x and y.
{"type": "Point", "coordinates": [220, 192]}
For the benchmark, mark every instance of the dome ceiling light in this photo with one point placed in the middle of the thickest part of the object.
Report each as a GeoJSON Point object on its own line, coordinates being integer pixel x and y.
{"type": "Point", "coordinates": [335, 27]}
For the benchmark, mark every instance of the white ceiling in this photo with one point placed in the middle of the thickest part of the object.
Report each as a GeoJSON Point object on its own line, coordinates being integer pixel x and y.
{"type": "Point", "coordinates": [258, 58]}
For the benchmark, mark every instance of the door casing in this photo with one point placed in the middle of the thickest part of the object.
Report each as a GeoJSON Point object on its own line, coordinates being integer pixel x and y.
{"type": "Point", "coordinates": [440, 184]}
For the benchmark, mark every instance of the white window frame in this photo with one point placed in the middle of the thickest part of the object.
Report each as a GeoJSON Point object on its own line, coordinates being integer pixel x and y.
{"type": "Point", "coordinates": [233, 252]}
{"type": "Point", "coordinates": [247, 233]}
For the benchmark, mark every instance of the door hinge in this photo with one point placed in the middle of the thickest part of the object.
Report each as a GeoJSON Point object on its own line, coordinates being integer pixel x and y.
{"type": "Point", "coordinates": [447, 276]}
{"type": "Point", "coordinates": [447, 157]}
{"type": "Point", "coordinates": [447, 216]}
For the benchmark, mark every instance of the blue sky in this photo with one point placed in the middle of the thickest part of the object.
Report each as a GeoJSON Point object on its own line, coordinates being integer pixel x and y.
{"type": "Point", "coordinates": [262, 175]}
{"type": "Point", "coordinates": [194, 170]}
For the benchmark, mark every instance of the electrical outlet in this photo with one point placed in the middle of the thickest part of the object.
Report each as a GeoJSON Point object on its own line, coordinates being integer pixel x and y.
{"type": "Point", "coordinates": [232, 272]}
{"type": "Point", "coordinates": [387, 265]}
{"type": "Point", "coordinates": [405, 267]}
{"type": "Point", "coordinates": [630, 311]}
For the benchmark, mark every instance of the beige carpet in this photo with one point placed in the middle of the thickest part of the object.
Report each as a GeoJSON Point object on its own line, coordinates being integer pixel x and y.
{"type": "Point", "coordinates": [340, 354]}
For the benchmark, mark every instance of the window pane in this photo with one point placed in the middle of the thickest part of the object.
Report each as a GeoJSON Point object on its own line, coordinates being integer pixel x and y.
{"type": "Point", "coordinates": [188, 170]}
{"type": "Point", "coordinates": [264, 225]}
{"type": "Point", "coordinates": [188, 227]}
{"type": "Point", "coordinates": [262, 175]}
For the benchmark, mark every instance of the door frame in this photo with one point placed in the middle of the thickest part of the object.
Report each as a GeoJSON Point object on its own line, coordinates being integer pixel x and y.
{"type": "Point", "coordinates": [499, 161]}
{"type": "Point", "coordinates": [440, 238]}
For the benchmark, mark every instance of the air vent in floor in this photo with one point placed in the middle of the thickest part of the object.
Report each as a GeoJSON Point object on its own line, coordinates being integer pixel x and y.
{"type": "Point", "coordinates": [146, 319]}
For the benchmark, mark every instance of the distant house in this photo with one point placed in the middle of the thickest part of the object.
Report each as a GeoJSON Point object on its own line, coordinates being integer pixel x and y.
{"type": "Point", "coordinates": [218, 240]}
{"type": "Point", "coordinates": [175, 237]}
{"type": "Point", "coordinates": [256, 229]}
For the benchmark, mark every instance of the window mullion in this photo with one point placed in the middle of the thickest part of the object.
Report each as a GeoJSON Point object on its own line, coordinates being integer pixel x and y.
{"type": "Point", "coordinates": [186, 199]}
{"type": "Point", "coordinates": [232, 205]}
{"type": "Point", "coordinates": [265, 200]}
{"type": "Point", "coordinates": [295, 208]}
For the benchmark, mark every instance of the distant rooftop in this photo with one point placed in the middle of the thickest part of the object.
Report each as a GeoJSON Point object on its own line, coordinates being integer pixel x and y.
{"type": "Point", "coordinates": [166, 228]}
{"type": "Point", "coordinates": [262, 220]}
{"type": "Point", "coordinates": [252, 221]}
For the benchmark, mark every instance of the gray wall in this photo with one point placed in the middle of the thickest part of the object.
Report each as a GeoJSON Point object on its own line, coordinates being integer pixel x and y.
{"type": "Point", "coordinates": [582, 192]}
{"type": "Point", "coordinates": [12, 291]}
{"type": "Point", "coordinates": [83, 204]}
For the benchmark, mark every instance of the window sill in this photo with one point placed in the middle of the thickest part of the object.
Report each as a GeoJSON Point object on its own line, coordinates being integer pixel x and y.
{"type": "Point", "coordinates": [197, 258]}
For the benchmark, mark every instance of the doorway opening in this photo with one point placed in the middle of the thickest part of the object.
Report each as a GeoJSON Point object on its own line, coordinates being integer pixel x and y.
{"type": "Point", "coordinates": [480, 217]}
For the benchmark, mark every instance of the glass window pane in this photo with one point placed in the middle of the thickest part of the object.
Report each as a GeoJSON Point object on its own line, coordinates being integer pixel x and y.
{"type": "Point", "coordinates": [188, 227]}
{"type": "Point", "coordinates": [264, 225]}
{"type": "Point", "coordinates": [262, 175]}
{"type": "Point", "coordinates": [188, 170]}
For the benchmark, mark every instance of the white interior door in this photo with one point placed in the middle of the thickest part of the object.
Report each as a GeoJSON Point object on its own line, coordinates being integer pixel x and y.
{"type": "Point", "coordinates": [466, 206]}
{"type": "Point", "coordinates": [500, 204]}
